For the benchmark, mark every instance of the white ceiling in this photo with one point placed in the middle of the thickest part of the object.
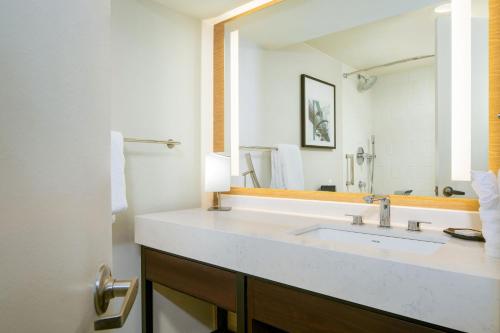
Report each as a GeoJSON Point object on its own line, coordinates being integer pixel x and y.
{"type": "Point", "coordinates": [400, 37]}
{"type": "Point", "coordinates": [202, 8]}
{"type": "Point", "coordinates": [296, 21]}
{"type": "Point", "coordinates": [359, 33]}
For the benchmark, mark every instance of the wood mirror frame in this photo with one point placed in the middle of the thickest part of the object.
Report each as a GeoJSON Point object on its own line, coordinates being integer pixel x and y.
{"type": "Point", "coordinates": [415, 201]}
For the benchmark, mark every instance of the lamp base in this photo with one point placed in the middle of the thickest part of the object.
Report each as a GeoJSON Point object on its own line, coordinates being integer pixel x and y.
{"type": "Point", "coordinates": [217, 203]}
{"type": "Point", "coordinates": [219, 209]}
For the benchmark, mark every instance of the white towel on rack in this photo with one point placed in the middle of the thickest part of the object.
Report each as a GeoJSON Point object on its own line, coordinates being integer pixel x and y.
{"type": "Point", "coordinates": [290, 161]}
{"type": "Point", "coordinates": [118, 189]}
{"type": "Point", "coordinates": [276, 171]}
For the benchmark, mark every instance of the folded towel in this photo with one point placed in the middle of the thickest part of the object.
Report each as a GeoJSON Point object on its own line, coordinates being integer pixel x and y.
{"type": "Point", "coordinates": [498, 182]}
{"type": "Point", "coordinates": [118, 192]}
{"type": "Point", "coordinates": [486, 185]}
{"type": "Point", "coordinates": [291, 166]}
{"type": "Point", "coordinates": [492, 250]}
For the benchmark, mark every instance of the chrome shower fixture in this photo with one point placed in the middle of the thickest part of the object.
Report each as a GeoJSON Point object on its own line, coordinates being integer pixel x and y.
{"type": "Point", "coordinates": [365, 82]}
{"type": "Point", "coordinates": [361, 186]}
{"type": "Point", "coordinates": [361, 156]}
{"type": "Point", "coordinates": [372, 165]}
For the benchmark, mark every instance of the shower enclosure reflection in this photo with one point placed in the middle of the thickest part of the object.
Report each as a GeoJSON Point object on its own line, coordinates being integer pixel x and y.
{"type": "Point", "coordinates": [390, 69]}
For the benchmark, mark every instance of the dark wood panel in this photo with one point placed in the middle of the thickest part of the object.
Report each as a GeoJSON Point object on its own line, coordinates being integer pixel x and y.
{"type": "Point", "coordinates": [241, 305]}
{"type": "Point", "coordinates": [260, 327]}
{"type": "Point", "coordinates": [146, 297]}
{"type": "Point", "coordinates": [296, 311]}
{"type": "Point", "coordinates": [211, 284]}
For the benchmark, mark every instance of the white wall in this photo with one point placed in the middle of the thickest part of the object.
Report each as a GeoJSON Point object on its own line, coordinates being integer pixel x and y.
{"type": "Point", "coordinates": [155, 94]}
{"type": "Point", "coordinates": [403, 114]}
{"type": "Point", "coordinates": [270, 106]}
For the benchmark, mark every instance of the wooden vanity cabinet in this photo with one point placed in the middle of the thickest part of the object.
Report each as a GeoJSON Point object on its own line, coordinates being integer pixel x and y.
{"type": "Point", "coordinates": [211, 284]}
{"type": "Point", "coordinates": [263, 306]}
{"type": "Point", "coordinates": [276, 308]}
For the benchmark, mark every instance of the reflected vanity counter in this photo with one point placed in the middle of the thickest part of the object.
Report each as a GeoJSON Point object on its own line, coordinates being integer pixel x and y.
{"type": "Point", "coordinates": [451, 284]}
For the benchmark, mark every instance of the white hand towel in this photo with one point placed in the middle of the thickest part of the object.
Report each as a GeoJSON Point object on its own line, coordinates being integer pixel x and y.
{"type": "Point", "coordinates": [276, 171]}
{"type": "Point", "coordinates": [486, 185]}
{"type": "Point", "coordinates": [498, 182]}
{"type": "Point", "coordinates": [291, 166]}
{"type": "Point", "coordinates": [118, 190]}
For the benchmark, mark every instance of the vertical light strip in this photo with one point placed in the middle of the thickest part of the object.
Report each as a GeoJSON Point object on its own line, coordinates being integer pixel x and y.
{"type": "Point", "coordinates": [461, 90]}
{"type": "Point", "coordinates": [234, 101]}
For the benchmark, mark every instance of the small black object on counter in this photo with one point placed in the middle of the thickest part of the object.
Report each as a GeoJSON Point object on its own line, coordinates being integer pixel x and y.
{"type": "Point", "coordinates": [328, 188]}
{"type": "Point", "coordinates": [464, 233]}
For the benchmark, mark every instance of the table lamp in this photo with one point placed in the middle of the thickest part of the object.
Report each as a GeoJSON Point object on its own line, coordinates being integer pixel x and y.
{"type": "Point", "coordinates": [217, 177]}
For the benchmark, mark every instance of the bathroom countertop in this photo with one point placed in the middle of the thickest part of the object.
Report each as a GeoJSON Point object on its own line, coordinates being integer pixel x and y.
{"type": "Point", "coordinates": [457, 286]}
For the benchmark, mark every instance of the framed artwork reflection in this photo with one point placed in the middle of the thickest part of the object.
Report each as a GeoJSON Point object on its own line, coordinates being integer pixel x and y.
{"type": "Point", "coordinates": [317, 113]}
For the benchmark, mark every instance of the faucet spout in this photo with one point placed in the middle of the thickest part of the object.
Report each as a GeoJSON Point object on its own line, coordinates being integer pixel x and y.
{"type": "Point", "coordinates": [385, 208]}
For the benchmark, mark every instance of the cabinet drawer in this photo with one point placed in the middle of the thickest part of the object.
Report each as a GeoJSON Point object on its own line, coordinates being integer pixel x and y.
{"type": "Point", "coordinates": [296, 311]}
{"type": "Point", "coordinates": [211, 284]}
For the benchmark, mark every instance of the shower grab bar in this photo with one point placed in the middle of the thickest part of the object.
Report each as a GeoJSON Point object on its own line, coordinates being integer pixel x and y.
{"type": "Point", "coordinates": [350, 169]}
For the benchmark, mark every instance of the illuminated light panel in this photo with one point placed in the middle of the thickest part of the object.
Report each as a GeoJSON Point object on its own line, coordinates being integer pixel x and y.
{"type": "Point", "coordinates": [234, 101]}
{"type": "Point", "coordinates": [461, 90]}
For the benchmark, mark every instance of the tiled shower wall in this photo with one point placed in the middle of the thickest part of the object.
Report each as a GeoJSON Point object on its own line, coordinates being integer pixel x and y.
{"type": "Point", "coordinates": [403, 114]}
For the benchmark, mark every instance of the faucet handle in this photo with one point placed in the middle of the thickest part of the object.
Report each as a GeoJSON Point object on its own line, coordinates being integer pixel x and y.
{"type": "Point", "coordinates": [356, 219]}
{"type": "Point", "coordinates": [415, 225]}
{"type": "Point", "coordinates": [375, 197]}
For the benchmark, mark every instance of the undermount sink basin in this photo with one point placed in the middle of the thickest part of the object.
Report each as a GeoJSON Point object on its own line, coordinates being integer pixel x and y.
{"type": "Point", "coordinates": [399, 242]}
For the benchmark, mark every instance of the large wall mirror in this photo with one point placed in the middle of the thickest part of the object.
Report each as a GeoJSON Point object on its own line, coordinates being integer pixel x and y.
{"type": "Point", "coordinates": [348, 98]}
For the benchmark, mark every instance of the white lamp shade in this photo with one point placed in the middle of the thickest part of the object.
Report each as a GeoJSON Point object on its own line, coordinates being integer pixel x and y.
{"type": "Point", "coordinates": [217, 173]}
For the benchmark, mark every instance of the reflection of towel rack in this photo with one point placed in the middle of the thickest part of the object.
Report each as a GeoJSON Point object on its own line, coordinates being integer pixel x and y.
{"type": "Point", "coordinates": [169, 143]}
{"type": "Point", "coordinates": [258, 148]}
{"type": "Point", "coordinates": [251, 172]}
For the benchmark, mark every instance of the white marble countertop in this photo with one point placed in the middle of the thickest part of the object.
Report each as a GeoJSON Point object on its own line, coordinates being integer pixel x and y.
{"type": "Point", "coordinates": [456, 287]}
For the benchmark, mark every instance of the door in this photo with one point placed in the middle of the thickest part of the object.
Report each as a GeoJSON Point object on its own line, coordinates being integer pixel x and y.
{"type": "Point", "coordinates": [55, 228]}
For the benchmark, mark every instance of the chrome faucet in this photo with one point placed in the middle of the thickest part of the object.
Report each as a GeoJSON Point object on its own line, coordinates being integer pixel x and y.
{"type": "Point", "coordinates": [385, 208]}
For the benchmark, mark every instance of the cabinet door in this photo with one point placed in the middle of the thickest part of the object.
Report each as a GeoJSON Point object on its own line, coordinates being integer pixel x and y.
{"type": "Point", "coordinates": [296, 311]}
{"type": "Point", "coordinates": [205, 282]}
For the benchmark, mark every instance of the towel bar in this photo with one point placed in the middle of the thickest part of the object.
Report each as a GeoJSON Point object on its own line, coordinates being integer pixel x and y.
{"type": "Point", "coordinates": [257, 148]}
{"type": "Point", "coordinates": [169, 143]}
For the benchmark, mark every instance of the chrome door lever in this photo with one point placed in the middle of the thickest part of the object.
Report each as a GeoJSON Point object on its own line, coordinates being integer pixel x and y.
{"type": "Point", "coordinates": [107, 288]}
